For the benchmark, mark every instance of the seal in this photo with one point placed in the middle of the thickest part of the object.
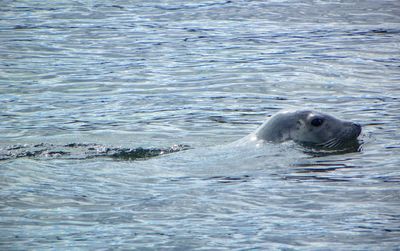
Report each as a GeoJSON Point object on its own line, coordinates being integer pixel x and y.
{"type": "Point", "coordinates": [307, 127]}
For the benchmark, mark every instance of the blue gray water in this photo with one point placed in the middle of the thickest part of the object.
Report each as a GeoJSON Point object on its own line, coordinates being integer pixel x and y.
{"type": "Point", "coordinates": [94, 75]}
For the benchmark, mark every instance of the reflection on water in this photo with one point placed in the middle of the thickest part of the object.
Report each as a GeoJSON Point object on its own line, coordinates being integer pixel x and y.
{"type": "Point", "coordinates": [79, 77]}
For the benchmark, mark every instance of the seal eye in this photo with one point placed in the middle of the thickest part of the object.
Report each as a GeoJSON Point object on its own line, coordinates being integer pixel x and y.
{"type": "Point", "coordinates": [317, 122]}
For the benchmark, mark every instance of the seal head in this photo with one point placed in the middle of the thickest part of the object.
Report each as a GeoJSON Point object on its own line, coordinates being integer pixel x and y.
{"type": "Point", "coordinates": [308, 127]}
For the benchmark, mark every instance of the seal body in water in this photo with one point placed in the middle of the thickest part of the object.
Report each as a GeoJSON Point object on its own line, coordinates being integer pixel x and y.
{"type": "Point", "coordinates": [307, 127]}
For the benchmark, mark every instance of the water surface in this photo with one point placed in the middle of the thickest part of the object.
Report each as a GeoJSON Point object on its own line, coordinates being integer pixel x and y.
{"type": "Point", "coordinates": [151, 75]}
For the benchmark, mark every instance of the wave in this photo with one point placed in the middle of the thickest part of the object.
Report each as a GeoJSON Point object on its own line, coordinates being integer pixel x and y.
{"type": "Point", "coordinates": [83, 151]}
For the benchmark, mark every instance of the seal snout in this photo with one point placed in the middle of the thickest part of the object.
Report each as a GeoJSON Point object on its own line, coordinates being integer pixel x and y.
{"type": "Point", "coordinates": [357, 128]}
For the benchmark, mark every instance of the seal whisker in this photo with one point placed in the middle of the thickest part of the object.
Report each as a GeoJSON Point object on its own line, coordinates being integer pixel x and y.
{"type": "Point", "coordinates": [335, 142]}
{"type": "Point", "coordinates": [328, 143]}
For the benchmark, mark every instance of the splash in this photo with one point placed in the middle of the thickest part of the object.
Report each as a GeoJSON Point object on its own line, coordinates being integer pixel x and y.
{"type": "Point", "coordinates": [83, 151]}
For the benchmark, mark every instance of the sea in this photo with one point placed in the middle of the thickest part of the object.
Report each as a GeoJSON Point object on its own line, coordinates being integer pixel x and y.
{"type": "Point", "coordinates": [117, 120]}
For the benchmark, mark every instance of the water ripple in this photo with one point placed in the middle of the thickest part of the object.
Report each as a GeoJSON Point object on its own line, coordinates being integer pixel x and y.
{"type": "Point", "coordinates": [127, 78]}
